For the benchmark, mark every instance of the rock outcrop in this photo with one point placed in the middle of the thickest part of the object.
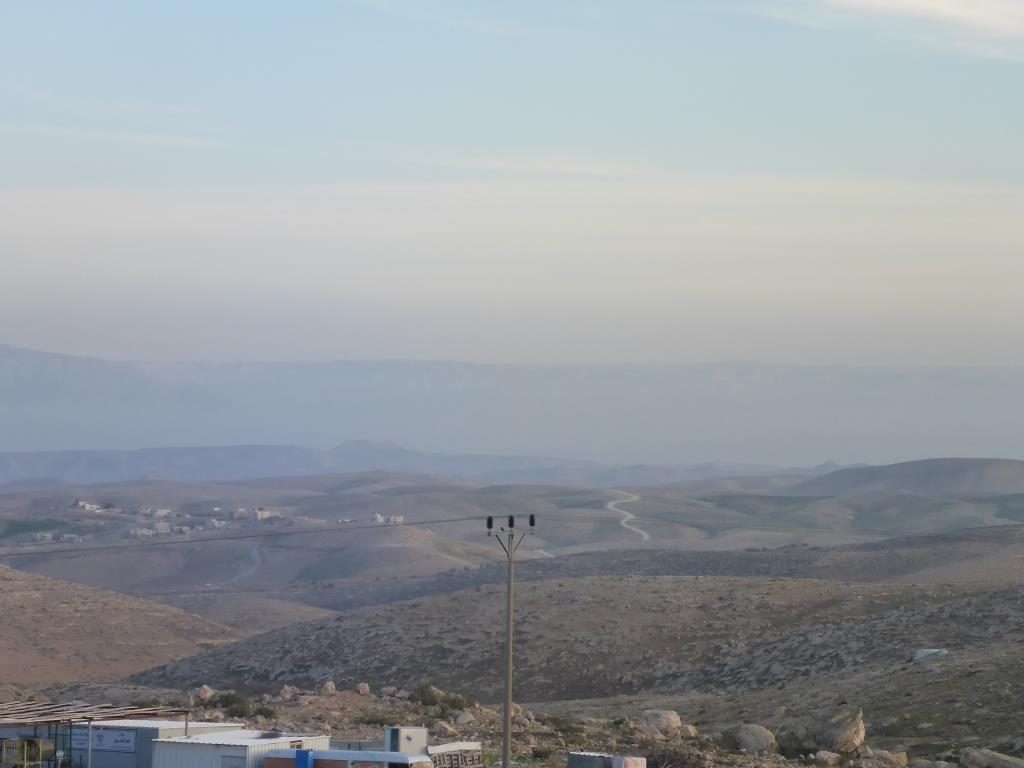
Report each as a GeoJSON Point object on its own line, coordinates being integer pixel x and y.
{"type": "Point", "coordinates": [661, 722]}
{"type": "Point", "coordinates": [750, 738]}
{"type": "Point", "coordinates": [844, 733]}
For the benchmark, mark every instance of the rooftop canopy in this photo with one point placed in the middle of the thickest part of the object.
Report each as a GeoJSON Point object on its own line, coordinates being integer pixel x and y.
{"type": "Point", "coordinates": [15, 713]}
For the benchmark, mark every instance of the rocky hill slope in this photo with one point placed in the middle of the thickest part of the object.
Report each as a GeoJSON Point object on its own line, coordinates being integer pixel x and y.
{"type": "Point", "coordinates": [949, 478]}
{"type": "Point", "coordinates": [599, 636]}
{"type": "Point", "coordinates": [985, 555]}
{"type": "Point", "coordinates": [55, 631]}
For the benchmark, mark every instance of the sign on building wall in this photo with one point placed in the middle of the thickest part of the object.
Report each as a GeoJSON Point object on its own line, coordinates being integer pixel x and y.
{"type": "Point", "coordinates": [103, 739]}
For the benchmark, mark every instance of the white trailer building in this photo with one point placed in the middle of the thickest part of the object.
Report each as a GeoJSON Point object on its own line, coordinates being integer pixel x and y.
{"type": "Point", "coordinates": [129, 743]}
{"type": "Point", "coordinates": [229, 749]}
{"type": "Point", "coordinates": [113, 743]}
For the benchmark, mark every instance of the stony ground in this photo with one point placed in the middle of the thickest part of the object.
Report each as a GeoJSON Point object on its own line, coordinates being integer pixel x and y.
{"type": "Point", "coordinates": [55, 630]}
{"type": "Point", "coordinates": [600, 637]}
{"type": "Point", "coordinates": [670, 738]}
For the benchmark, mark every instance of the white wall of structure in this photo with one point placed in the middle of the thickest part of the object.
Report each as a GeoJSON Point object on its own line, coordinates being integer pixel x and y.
{"type": "Point", "coordinates": [231, 752]}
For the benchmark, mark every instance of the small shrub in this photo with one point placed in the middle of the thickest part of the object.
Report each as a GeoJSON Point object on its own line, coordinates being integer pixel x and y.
{"type": "Point", "coordinates": [458, 701]}
{"type": "Point", "coordinates": [375, 718]}
{"type": "Point", "coordinates": [677, 757]}
{"type": "Point", "coordinates": [239, 710]}
{"type": "Point", "coordinates": [264, 711]}
{"type": "Point", "coordinates": [235, 704]}
{"type": "Point", "coordinates": [563, 725]}
{"type": "Point", "coordinates": [426, 695]}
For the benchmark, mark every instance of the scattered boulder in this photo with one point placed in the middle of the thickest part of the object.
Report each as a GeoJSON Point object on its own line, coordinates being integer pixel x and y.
{"type": "Point", "coordinates": [661, 722]}
{"type": "Point", "coordinates": [402, 694]}
{"type": "Point", "coordinates": [879, 758]}
{"type": "Point", "coordinates": [465, 717]}
{"type": "Point", "coordinates": [444, 730]}
{"type": "Point", "coordinates": [390, 691]}
{"type": "Point", "coordinates": [205, 693]}
{"type": "Point", "coordinates": [844, 733]}
{"type": "Point", "coordinates": [826, 759]}
{"type": "Point", "coordinates": [487, 715]}
{"type": "Point", "coordinates": [328, 689]}
{"type": "Point", "coordinates": [687, 731]}
{"type": "Point", "coordinates": [750, 738]}
{"type": "Point", "coordinates": [363, 689]}
{"type": "Point", "coordinates": [986, 758]}
{"type": "Point", "coordinates": [288, 692]}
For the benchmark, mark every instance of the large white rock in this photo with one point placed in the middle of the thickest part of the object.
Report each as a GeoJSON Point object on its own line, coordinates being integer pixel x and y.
{"type": "Point", "coordinates": [661, 721]}
{"type": "Point", "coordinates": [288, 692]}
{"type": "Point", "coordinates": [752, 739]}
{"type": "Point", "coordinates": [205, 693]}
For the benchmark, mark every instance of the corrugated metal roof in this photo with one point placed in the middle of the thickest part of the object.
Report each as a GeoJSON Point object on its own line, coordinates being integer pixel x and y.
{"type": "Point", "coordinates": [239, 738]}
{"type": "Point", "coordinates": [41, 713]}
{"type": "Point", "coordinates": [157, 724]}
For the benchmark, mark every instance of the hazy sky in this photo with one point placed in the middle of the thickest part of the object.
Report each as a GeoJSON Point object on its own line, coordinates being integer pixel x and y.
{"type": "Point", "coordinates": [651, 180]}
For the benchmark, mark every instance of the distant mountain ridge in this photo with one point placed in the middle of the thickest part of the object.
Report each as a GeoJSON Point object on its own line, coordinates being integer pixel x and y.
{"type": "Point", "coordinates": [674, 415]}
{"type": "Point", "coordinates": [245, 462]}
{"type": "Point", "coordinates": [956, 478]}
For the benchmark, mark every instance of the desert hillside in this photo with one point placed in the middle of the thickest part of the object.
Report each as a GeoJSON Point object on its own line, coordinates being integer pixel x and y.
{"type": "Point", "coordinates": [54, 630]}
{"type": "Point", "coordinates": [953, 478]}
{"type": "Point", "coordinates": [599, 636]}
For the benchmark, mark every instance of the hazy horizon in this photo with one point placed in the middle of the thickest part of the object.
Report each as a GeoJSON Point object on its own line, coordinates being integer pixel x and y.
{"type": "Point", "coordinates": [794, 181]}
{"type": "Point", "coordinates": [582, 364]}
{"type": "Point", "coordinates": [744, 412]}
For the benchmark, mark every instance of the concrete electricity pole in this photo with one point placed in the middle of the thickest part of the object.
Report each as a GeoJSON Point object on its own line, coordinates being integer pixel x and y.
{"type": "Point", "coordinates": [509, 541]}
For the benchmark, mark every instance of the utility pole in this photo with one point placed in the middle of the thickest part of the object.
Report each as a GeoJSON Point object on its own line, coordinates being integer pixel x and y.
{"type": "Point", "coordinates": [509, 541]}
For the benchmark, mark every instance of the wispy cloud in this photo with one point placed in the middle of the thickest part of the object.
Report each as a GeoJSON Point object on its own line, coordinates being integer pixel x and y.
{"type": "Point", "coordinates": [76, 104]}
{"type": "Point", "coordinates": [417, 12]}
{"type": "Point", "coordinates": [117, 137]}
{"type": "Point", "coordinates": [542, 164]}
{"type": "Point", "coordinates": [993, 28]}
{"type": "Point", "coordinates": [1002, 19]}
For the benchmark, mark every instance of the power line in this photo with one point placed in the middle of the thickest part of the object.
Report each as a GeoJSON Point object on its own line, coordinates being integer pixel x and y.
{"type": "Point", "coordinates": [721, 525]}
{"type": "Point", "coordinates": [233, 537]}
{"type": "Point", "coordinates": [564, 517]}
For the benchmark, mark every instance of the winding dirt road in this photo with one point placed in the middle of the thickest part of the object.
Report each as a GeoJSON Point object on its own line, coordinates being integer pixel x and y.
{"type": "Point", "coordinates": [627, 498]}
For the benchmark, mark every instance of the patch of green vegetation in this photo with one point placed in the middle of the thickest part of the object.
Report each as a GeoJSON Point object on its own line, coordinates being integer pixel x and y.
{"type": "Point", "coordinates": [375, 718]}
{"type": "Point", "coordinates": [564, 725]}
{"type": "Point", "coordinates": [235, 704]}
{"type": "Point", "coordinates": [264, 711]}
{"type": "Point", "coordinates": [22, 527]}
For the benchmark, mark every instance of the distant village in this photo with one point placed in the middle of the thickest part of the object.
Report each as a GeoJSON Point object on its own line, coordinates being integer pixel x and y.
{"type": "Point", "coordinates": [149, 522]}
